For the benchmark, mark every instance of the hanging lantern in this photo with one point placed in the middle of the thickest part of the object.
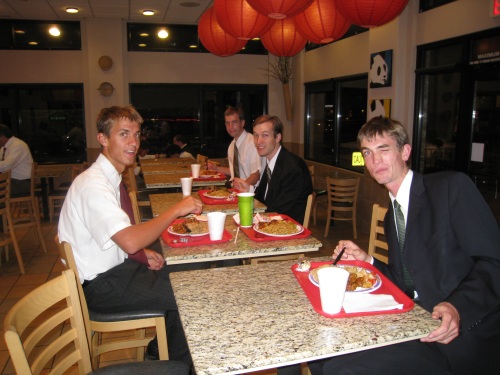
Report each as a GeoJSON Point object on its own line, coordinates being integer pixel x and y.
{"type": "Point", "coordinates": [283, 39]}
{"type": "Point", "coordinates": [279, 9]}
{"type": "Point", "coordinates": [240, 20]}
{"type": "Point", "coordinates": [214, 38]}
{"type": "Point", "coordinates": [370, 13]}
{"type": "Point", "coordinates": [321, 23]}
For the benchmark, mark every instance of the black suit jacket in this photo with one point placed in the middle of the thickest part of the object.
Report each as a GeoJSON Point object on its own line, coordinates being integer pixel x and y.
{"type": "Point", "coordinates": [452, 251]}
{"type": "Point", "coordinates": [290, 185]}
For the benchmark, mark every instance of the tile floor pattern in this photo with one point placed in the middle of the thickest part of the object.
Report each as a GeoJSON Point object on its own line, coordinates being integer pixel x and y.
{"type": "Point", "coordinates": [41, 267]}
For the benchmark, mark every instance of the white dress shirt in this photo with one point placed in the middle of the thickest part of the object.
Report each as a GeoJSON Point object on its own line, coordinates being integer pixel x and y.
{"type": "Point", "coordinates": [248, 158]}
{"type": "Point", "coordinates": [17, 159]}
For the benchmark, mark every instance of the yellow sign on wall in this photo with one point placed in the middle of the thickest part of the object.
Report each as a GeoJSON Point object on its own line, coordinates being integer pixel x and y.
{"type": "Point", "coordinates": [357, 159]}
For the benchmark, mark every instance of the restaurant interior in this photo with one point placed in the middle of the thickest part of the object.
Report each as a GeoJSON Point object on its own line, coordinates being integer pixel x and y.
{"type": "Point", "coordinates": [435, 67]}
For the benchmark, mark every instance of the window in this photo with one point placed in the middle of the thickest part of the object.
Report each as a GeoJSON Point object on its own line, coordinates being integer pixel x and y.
{"type": "Point", "coordinates": [431, 4]}
{"type": "Point", "coordinates": [40, 35]}
{"type": "Point", "coordinates": [49, 118]}
{"type": "Point", "coordinates": [196, 111]}
{"type": "Point", "coordinates": [335, 111]}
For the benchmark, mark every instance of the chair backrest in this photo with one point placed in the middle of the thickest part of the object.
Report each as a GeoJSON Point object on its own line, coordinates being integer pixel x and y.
{"type": "Point", "coordinates": [202, 159]}
{"type": "Point", "coordinates": [4, 192]}
{"type": "Point", "coordinates": [66, 254]}
{"type": "Point", "coordinates": [307, 213]}
{"type": "Point", "coordinates": [68, 349]}
{"type": "Point", "coordinates": [130, 180]}
{"type": "Point", "coordinates": [135, 207]}
{"type": "Point", "coordinates": [342, 193]}
{"type": "Point", "coordinates": [377, 247]}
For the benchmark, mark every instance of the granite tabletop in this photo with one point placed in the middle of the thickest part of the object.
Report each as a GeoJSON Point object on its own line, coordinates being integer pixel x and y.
{"type": "Point", "coordinates": [250, 318]}
{"type": "Point", "coordinates": [243, 248]}
{"type": "Point", "coordinates": [164, 160]}
{"type": "Point", "coordinates": [161, 202]}
{"type": "Point", "coordinates": [173, 180]}
{"type": "Point", "coordinates": [165, 168]}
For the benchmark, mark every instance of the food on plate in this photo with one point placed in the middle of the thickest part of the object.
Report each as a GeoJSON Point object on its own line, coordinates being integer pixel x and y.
{"type": "Point", "coordinates": [359, 277]}
{"type": "Point", "coordinates": [208, 172]}
{"type": "Point", "coordinates": [304, 265]}
{"type": "Point", "coordinates": [190, 226]}
{"type": "Point", "coordinates": [219, 192]}
{"type": "Point", "coordinates": [278, 227]}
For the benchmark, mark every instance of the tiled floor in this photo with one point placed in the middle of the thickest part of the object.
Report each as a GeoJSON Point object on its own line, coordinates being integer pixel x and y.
{"type": "Point", "coordinates": [41, 267]}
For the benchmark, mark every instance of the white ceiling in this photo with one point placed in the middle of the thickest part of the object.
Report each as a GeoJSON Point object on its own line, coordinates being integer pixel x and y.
{"type": "Point", "coordinates": [185, 12]}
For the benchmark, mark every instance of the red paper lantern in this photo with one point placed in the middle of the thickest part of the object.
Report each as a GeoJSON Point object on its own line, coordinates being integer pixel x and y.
{"type": "Point", "coordinates": [214, 38]}
{"type": "Point", "coordinates": [370, 13]}
{"type": "Point", "coordinates": [321, 22]}
{"type": "Point", "coordinates": [283, 39]}
{"type": "Point", "coordinates": [240, 20]}
{"type": "Point", "coordinates": [279, 9]}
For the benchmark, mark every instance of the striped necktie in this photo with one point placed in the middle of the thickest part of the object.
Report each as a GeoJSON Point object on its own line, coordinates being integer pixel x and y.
{"type": "Point", "coordinates": [3, 155]}
{"type": "Point", "coordinates": [401, 226]}
{"type": "Point", "coordinates": [236, 166]}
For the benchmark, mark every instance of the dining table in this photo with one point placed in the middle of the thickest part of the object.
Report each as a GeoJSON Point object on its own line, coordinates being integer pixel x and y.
{"type": "Point", "coordinates": [257, 317]}
{"type": "Point", "coordinates": [173, 180]}
{"type": "Point", "coordinates": [46, 173]}
{"type": "Point", "coordinates": [164, 160]}
{"type": "Point", "coordinates": [166, 168]}
{"type": "Point", "coordinates": [161, 202]}
{"type": "Point", "coordinates": [237, 243]}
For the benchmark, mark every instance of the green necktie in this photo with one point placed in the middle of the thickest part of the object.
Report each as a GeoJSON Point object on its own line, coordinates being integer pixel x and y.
{"type": "Point", "coordinates": [400, 223]}
{"type": "Point", "coordinates": [236, 167]}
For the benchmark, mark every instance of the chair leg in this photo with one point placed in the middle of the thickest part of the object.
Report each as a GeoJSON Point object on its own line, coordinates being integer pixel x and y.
{"type": "Point", "coordinates": [354, 226]}
{"type": "Point", "coordinates": [327, 227]}
{"type": "Point", "coordinates": [36, 212]}
{"type": "Point", "coordinates": [17, 249]}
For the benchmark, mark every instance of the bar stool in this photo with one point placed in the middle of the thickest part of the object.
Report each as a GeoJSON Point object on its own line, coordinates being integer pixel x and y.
{"type": "Point", "coordinates": [8, 236]}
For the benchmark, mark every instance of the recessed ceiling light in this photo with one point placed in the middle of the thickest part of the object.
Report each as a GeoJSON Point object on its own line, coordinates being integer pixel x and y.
{"type": "Point", "coordinates": [144, 35]}
{"type": "Point", "coordinates": [72, 10]}
{"type": "Point", "coordinates": [193, 46]}
{"type": "Point", "coordinates": [33, 43]}
{"type": "Point", "coordinates": [54, 31]}
{"type": "Point", "coordinates": [163, 34]}
{"type": "Point", "coordinates": [148, 12]}
{"type": "Point", "coordinates": [189, 4]}
{"type": "Point", "coordinates": [142, 45]}
{"type": "Point", "coordinates": [19, 31]}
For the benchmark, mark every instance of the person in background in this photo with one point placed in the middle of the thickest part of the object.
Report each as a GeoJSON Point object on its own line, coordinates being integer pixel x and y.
{"type": "Point", "coordinates": [286, 182]}
{"type": "Point", "coordinates": [173, 151]}
{"type": "Point", "coordinates": [443, 252]}
{"type": "Point", "coordinates": [181, 141]}
{"type": "Point", "coordinates": [117, 270]}
{"type": "Point", "coordinates": [244, 161]}
{"type": "Point", "coordinates": [15, 155]}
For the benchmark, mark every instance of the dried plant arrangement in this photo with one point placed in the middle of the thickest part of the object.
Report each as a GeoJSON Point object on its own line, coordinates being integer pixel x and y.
{"type": "Point", "coordinates": [280, 68]}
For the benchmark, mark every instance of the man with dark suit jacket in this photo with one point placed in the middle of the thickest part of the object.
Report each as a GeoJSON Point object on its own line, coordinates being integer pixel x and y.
{"type": "Point", "coordinates": [285, 180]}
{"type": "Point", "coordinates": [444, 251]}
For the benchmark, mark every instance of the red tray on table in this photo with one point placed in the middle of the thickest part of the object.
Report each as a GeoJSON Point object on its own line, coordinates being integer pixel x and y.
{"type": "Point", "coordinates": [387, 287]}
{"type": "Point", "coordinates": [219, 177]}
{"type": "Point", "coordinates": [209, 201]}
{"type": "Point", "coordinates": [260, 237]}
{"type": "Point", "coordinates": [174, 240]}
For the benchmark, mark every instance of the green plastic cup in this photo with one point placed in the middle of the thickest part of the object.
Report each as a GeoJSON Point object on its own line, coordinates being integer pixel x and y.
{"type": "Point", "coordinates": [245, 207]}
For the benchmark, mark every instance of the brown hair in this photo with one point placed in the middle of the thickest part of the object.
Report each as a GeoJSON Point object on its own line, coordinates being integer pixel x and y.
{"type": "Point", "coordinates": [232, 110]}
{"type": "Point", "coordinates": [274, 120]}
{"type": "Point", "coordinates": [108, 116]}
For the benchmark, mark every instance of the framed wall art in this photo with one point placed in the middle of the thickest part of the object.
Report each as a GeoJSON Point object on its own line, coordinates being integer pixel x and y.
{"type": "Point", "coordinates": [381, 69]}
{"type": "Point", "coordinates": [379, 107]}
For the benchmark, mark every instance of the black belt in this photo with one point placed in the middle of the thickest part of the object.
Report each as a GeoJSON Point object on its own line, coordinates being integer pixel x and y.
{"type": "Point", "coordinates": [87, 282]}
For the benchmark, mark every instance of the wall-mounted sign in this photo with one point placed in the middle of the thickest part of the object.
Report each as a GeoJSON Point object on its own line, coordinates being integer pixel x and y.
{"type": "Point", "coordinates": [485, 50]}
{"type": "Point", "coordinates": [357, 159]}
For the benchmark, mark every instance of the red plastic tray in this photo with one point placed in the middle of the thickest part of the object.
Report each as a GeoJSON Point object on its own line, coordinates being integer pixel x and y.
{"type": "Point", "coordinates": [192, 241]}
{"type": "Point", "coordinates": [212, 201]}
{"type": "Point", "coordinates": [259, 237]}
{"type": "Point", "coordinates": [221, 177]}
{"type": "Point", "coordinates": [387, 287]}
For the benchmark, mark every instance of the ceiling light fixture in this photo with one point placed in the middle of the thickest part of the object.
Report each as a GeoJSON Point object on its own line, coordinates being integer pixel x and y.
{"type": "Point", "coordinates": [144, 35]}
{"type": "Point", "coordinates": [72, 10]}
{"type": "Point", "coordinates": [148, 12]}
{"type": "Point", "coordinates": [54, 31]}
{"type": "Point", "coordinates": [162, 34]}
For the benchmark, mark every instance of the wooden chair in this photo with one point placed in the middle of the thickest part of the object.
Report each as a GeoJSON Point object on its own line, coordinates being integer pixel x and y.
{"type": "Point", "coordinates": [342, 197]}
{"type": "Point", "coordinates": [202, 159]}
{"type": "Point", "coordinates": [26, 212]}
{"type": "Point", "coordinates": [56, 197]}
{"type": "Point", "coordinates": [97, 323]}
{"type": "Point", "coordinates": [377, 247]}
{"type": "Point", "coordinates": [29, 327]}
{"type": "Point", "coordinates": [8, 235]}
{"type": "Point", "coordinates": [317, 193]}
{"type": "Point", "coordinates": [141, 195]}
{"type": "Point", "coordinates": [279, 258]}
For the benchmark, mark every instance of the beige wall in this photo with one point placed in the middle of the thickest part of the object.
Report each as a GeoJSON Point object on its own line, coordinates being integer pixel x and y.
{"type": "Point", "coordinates": [346, 57]}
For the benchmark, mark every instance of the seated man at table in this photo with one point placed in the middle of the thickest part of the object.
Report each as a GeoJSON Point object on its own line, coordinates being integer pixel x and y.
{"type": "Point", "coordinates": [285, 182]}
{"type": "Point", "coordinates": [443, 252]}
{"type": "Point", "coordinates": [16, 157]}
{"type": "Point", "coordinates": [186, 152]}
{"type": "Point", "coordinates": [244, 161]}
{"type": "Point", "coordinates": [117, 272]}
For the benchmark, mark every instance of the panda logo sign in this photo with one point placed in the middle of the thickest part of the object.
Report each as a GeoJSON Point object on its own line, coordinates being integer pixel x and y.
{"type": "Point", "coordinates": [381, 69]}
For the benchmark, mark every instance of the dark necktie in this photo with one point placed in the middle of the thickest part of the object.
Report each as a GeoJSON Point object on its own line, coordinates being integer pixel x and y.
{"type": "Point", "coordinates": [268, 175]}
{"type": "Point", "coordinates": [236, 166]}
{"type": "Point", "coordinates": [3, 155]}
{"type": "Point", "coordinates": [126, 205]}
{"type": "Point", "coordinates": [400, 223]}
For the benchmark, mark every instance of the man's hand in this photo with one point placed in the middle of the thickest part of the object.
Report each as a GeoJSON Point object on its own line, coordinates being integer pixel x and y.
{"type": "Point", "coordinates": [240, 184]}
{"type": "Point", "coordinates": [155, 260]}
{"type": "Point", "coordinates": [189, 205]}
{"type": "Point", "coordinates": [352, 251]}
{"type": "Point", "coordinates": [450, 324]}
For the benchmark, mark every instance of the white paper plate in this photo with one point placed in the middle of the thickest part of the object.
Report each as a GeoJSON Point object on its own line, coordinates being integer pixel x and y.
{"type": "Point", "coordinates": [375, 286]}
{"type": "Point", "coordinates": [300, 229]}
{"type": "Point", "coordinates": [170, 230]}
{"type": "Point", "coordinates": [207, 194]}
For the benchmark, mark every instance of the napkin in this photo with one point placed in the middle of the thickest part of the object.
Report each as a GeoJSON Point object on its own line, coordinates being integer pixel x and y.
{"type": "Point", "coordinates": [364, 302]}
{"type": "Point", "coordinates": [201, 217]}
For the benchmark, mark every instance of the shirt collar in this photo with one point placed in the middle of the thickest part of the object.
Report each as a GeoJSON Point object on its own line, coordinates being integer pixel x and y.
{"type": "Point", "coordinates": [403, 196]}
{"type": "Point", "coordinates": [271, 163]}
{"type": "Point", "coordinates": [109, 171]}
